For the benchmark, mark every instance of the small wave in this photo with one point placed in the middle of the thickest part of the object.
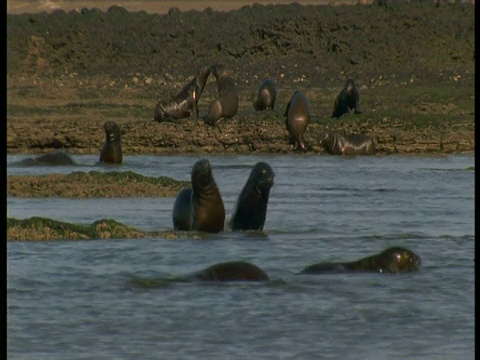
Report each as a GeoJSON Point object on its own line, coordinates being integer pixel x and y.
{"type": "Point", "coordinates": [397, 236]}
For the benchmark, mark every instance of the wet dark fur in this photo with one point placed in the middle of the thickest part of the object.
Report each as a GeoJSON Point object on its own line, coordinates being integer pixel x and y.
{"type": "Point", "coordinates": [297, 115]}
{"type": "Point", "coordinates": [267, 94]}
{"type": "Point", "coordinates": [226, 104]}
{"type": "Point", "coordinates": [53, 158]}
{"type": "Point", "coordinates": [185, 103]}
{"type": "Point", "coordinates": [347, 100]}
{"type": "Point", "coordinates": [200, 208]}
{"type": "Point", "coordinates": [391, 260]}
{"type": "Point", "coordinates": [250, 209]}
{"type": "Point", "coordinates": [112, 149]}
{"type": "Point", "coordinates": [353, 144]}
{"type": "Point", "coordinates": [231, 271]}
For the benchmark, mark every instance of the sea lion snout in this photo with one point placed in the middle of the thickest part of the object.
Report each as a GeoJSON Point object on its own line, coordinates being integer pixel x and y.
{"type": "Point", "coordinates": [201, 166]}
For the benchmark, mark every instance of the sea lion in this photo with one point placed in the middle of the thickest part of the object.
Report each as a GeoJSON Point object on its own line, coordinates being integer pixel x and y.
{"type": "Point", "coordinates": [392, 260]}
{"type": "Point", "coordinates": [112, 149]}
{"type": "Point", "coordinates": [231, 271]}
{"type": "Point", "coordinates": [250, 210]}
{"type": "Point", "coordinates": [185, 102]}
{"type": "Point", "coordinates": [267, 94]}
{"type": "Point", "coordinates": [54, 158]}
{"type": "Point", "coordinates": [226, 104]}
{"type": "Point", "coordinates": [347, 100]}
{"type": "Point", "coordinates": [297, 115]}
{"type": "Point", "coordinates": [200, 207]}
{"type": "Point", "coordinates": [353, 144]}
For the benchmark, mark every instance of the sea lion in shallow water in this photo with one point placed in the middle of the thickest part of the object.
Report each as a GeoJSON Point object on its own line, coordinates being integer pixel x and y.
{"type": "Point", "coordinates": [297, 115]}
{"type": "Point", "coordinates": [54, 158]}
{"type": "Point", "coordinates": [200, 207]}
{"type": "Point", "coordinates": [185, 102]}
{"type": "Point", "coordinates": [347, 100]}
{"type": "Point", "coordinates": [353, 144]}
{"type": "Point", "coordinates": [112, 149]}
{"type": "Point", "coordinates": [392, 260]}
{"type": "Point", "coordinates": [226, 104]}
{"type": "Point", "coordinates": [250, 210]}
{"type": "Point", "coordinates": [267, 94]}
{"type": "Point", "coordinates": [231, 271]}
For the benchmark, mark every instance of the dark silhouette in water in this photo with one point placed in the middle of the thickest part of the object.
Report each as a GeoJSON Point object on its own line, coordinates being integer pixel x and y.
{"type": "Point", "coordinates": [201, 207]}
{"type": "Point", "coordinates": [54, 158]}
{"type": "Point", "coordinates": [112, 149]}
{"type": "Point", "coordinates": [231, 271]}
{"type": "Point", "coordinates": [392, 260]}
{"type": "Point", "coordinates": [250, 210]}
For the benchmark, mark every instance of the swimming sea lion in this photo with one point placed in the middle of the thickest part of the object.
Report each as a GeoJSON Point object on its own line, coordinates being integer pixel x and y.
{"type": "Point", "coordinates": [112, 149]}
{"type": "Point", "coordinates": [57, 157]}
{"type": "Point", "coordinates": [185, 102]}
{"type": "Point", "coordinates": [267, 94]}
{"type": "Point", "coordinates": [298, 117]}
{"type": "Point", "coordinates": [226, 104]}
{"type": "Point", "coordinates": [392, 260]}
{"type": "Point", "coordinates": [231, 271]}
{"type": "Point", "coordinates": [347, 100]}
{"type": "Point", "coordinates": [353, 144]}
{"type": "Point", "coordinates": [250, 209]}
{"type": "Point", "coordinates": [200, 207]}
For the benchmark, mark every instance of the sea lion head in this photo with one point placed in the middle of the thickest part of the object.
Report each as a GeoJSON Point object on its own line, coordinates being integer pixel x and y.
{"type": "Point", "coordinates": [262, 177]}
{"type": "Point", "coordinates": [350, 86]}
{"type": "Point", "coordinates": [219, 71]}
{"type": "Point", "coordinates": [326, 137]}
{"type": "Point", "coordinates": [398, 259]}
{"type": "Point", "coordinates": [201, 174]}
{"type": "Point", "coordinates": [112, 131]}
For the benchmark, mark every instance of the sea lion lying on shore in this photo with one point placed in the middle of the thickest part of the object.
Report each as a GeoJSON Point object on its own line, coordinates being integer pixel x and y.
{"type": "Point", "coordinates": [353, 144]}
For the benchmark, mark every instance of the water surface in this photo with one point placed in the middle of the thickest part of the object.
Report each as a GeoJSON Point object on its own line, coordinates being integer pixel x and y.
{"type": "Point", "coordinates": [81, 300]}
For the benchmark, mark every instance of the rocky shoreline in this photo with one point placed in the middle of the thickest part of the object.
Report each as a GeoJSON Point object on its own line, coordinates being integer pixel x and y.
{"type": "Point", "coordinates": [68, 73]}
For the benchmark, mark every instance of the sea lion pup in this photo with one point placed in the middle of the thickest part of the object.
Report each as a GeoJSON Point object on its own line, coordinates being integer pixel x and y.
{"type": "Point", "coordinates": [54, 158]}
{"type": "Point", "coordinates": [200, 207]}
{"type": "Point", "coordinates": [267, 94]}
{"type": "Point", "coordinates": [226, 104]}
{"type": "Point", "coordinates": [112, 149]}
{"type": "Point", "coordinates": [347, 100]}
{"type": "Point", "coordinates": [353, 144]}
{"type": "Point", "coordinates": [297, 115]}
{"type": "Point", "coordinates": [392, 260]}
{"type": "Point", "coordinates": [231, 271]}
{"type": "Point", "coordinates": [185, 102]}
{"type": "Point", "coordinates": [250, 210]}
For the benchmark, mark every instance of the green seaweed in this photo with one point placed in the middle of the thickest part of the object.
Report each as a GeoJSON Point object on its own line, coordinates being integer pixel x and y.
{"type": "Point", "coordinates": [36, 227]}
{"type": "Point", "coordinates": [128, 176]}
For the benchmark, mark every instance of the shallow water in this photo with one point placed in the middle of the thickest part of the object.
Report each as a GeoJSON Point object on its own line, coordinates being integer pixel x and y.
{"type": "Point", "coordinates": [82, 300]}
